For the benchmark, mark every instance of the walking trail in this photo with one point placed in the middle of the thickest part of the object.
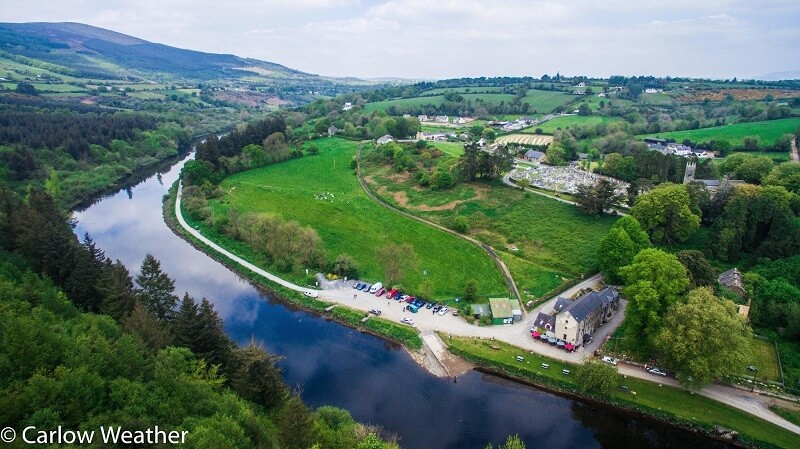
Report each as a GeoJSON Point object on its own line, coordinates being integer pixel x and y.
{"type": "Point", "coordinates": [517, 334]}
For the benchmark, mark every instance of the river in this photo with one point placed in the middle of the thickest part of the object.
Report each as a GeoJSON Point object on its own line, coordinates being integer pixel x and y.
{"type": "Point", "coordinates": [376, 381]}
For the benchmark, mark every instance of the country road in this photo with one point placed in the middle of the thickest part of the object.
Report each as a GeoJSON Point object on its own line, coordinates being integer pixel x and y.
{"type": "Point", "coordinates": [795, 156]}
{"type": "Point", "coordinates": [517, 334]}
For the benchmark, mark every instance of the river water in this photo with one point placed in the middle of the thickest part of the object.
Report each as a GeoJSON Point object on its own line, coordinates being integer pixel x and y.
{"type": "Point", "coordinates": [376, 381]}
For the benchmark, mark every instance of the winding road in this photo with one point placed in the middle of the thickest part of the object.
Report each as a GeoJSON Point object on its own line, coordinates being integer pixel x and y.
{"type": "Point", "coordinates": [517, 334]}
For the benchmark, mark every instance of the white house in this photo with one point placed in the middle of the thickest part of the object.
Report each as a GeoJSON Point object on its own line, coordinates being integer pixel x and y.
{"type": "Point", "coordinates": [422, 118]}
{"type": "Point", "coordinates": [442, 119]}
{"type": "Point", "coordinates": [385, 139]}
{"type": "Point", "coordinates": [347, 106]}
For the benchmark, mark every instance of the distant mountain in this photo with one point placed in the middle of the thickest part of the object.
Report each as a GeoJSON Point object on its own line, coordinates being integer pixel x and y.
{"type": "Point", "coordinates": [89, 51]}
{"type": "Point", "coordinates": [778, 76]}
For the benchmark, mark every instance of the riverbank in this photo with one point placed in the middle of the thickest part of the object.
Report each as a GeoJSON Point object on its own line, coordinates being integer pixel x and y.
{"type": "Point", "coordinates": [401, 335]}
{"type": "Point", "coordinates": [675, 406]}
{"type": "Point", "coordinates": [352, 318]}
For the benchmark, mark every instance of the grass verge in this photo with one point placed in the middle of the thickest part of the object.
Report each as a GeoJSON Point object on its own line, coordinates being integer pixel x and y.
{"type": "Point", "coordinates": [662, 402]}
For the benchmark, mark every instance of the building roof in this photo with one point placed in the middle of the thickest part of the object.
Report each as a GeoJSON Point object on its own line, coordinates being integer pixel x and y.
{"type": "Point", "coordinates": [533, 154]}
{"type": "Point", "coordinates": [710, 182]}
{"type": "Point", "coordinates": [545, 321]}
{"type": "Point", "coordinates": [481, 309]}
{"type": "Point", "coordinates": [584, 306]}
{"type": "Point", "coordinates": [731, 278]}
{"type": "Point", "coordinates": [501, 307]}
{"type": "Point", "coordinates": [561, 303]}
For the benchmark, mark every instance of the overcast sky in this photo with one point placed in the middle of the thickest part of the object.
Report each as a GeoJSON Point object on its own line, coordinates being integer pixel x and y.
{"type": "Point", "coordinates": [455, 38]}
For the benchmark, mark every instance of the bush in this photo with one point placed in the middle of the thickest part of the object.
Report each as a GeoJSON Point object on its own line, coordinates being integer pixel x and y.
{"type": "Point", "coordinates": [460, 224]}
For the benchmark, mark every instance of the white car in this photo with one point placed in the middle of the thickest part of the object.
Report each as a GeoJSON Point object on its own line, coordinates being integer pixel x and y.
{"type": "Point", "coordinates": [408, 321]}
{"type": "Point", "coordinates": [443, 311]}
{"type": "Point", "coordinates": [311, 293]}
{"type": "Point", "coordinates": [375, 312]}
{"type": "Point", "coordinates": [609, 359]}
{"type": "Point", "coordinates": [657, 371]}
{"type": "Point", "coordinates": [375, 288]}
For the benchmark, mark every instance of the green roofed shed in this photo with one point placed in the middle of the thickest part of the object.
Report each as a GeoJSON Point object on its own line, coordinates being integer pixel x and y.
{"type": "Point", "coordinates": [501, 311]}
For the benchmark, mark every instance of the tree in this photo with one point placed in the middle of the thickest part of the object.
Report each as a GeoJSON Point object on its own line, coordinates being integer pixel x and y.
{"type": "Point", "coordinates": [597, 198]}
{"type": "Point", "coordinates": [634, 230]}
{"type": "Point", "coordinates": [116, 287]}
{"type": "Point", "coordinates": [616, 250]}
{"type": "Point", "coordinates": [26, 89]}
{"type": "Point", "coordinates": [786, 174]}
{"type": "Point", "coordinates": [187, 326]}
{"type": "Point", "coordinates": [701, 273]}
{"type": "Point", "coordinates": [460, 224]}
{"type": "Point", "coordinates": [345, 265]}
{"type": "Point", "coordinates": [584, 110]}
{"type": "Point", "coordinates": [703, 338]}
{"type": "Point", "coordinates": [513, 442]}
{"type": "Point", "coordinates": [556, 155]}
{"type": "Point", "coordinates": [147, 327]}
{"type": "Point", "coordinates": [471, 291]}
{"type": "Point", "coordinates": [596, 377]}
{"type": "Point", "coordinates": [665, 213]}
{"type": "Point", "coordinates": [754, 169]}
{"type": "Point", "coordinates": [211, 343]}
{"type": "Point", "coordinates": [258, 377]}
{"type": "Point", "coordinates": [155, 289]}
{"type": "Point", "coordinates": [653, 282]}
{"type": "Point", "coordinates": [396, 259]}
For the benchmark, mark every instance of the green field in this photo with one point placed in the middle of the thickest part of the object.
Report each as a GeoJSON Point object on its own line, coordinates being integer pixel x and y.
{"type": "Point", "coordinates": [463, 90]}
{"type": "Point", "coordinates": [768, 131]}
{"type": "Point", "coordinates": [568, 121]}
{"type": "Point", "coordinates": [455, 149]}
{"type": "Point", "coordinates": [435, 100]}
{"type": "Point", "coordinates": [765, 358]}
{"type": "Point", "coordinates": [544, 101]}
{"type": "Point", "coordinates": [668, 402]}
{"type": "Point", "coordinates": [349, 222]}
{"type": "Point", "coordinates": [553, 239]}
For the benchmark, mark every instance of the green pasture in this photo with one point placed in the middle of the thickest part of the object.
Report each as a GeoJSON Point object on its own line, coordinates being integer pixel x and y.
{"type": "Point", "coordinates": [545, 101]}
{"type": "Point", "coordinates": [437, 100]}
{"type": "Point", "coordinates": [768, 132]}
{"type": "Point", "coordinates": [568, 121]}
{"type": "Point", "coordinates": [765, 358]}
{"type": "Point", "coordinates": [454, 149]}
{"type": "Point", "coordinates": [322, 191]}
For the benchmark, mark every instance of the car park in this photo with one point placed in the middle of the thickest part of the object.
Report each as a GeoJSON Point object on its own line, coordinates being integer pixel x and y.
{"type": "Point", "coordinates": [657, 371]}
{"type": "Point", "coordinates": [443, 310]}
{"type": "Point", "coordinates": [375, 312]}
{"type": "Point", "coordinates": [408, 321]}
{"type": "Point", "coordinates": [609, 360]}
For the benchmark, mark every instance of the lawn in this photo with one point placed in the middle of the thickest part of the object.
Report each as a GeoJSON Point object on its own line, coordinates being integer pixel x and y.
{"type": "Point", "coordinates": [544, 101]}
{"type": "Point", "coordinates": [552, 236]}
{"type": "Point", "coordinates": [665, 401]}
{"type": "Point", "coordinates": [768, 132]}
{"type": "Point", "coordinates": [454, 149]}
{"type": "Point", "coordinates": [322, 191]}
{"type": "Point", "coordinates": [436, 100]}
{"type": "Point", "coordinates": [765, 359]}
{"type": "Point", "coordinates": [792, 415]}
{"type": "Point", "coordinates": [567, 121]}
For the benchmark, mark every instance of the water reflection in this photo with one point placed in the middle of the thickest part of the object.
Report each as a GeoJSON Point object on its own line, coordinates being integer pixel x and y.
{"type": "Point", "coordinates": [375, 380]}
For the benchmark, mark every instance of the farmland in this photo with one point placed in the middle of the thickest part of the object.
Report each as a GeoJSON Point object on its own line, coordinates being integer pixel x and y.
{"type": "Point", "coordinates": [435, 100]}
{"type": "Point", "coordinates": [544, 101]}
{"type": "Point", "coordinates": [567, 121]}
{"type": "Point", "coordinates": [540, 239]}
{"type": "Point", "coordinates": [540, 101]}
{"type": "Point", "coordinates": [768, 132]}
{"type": "Point", "coordinates": [322, 192]}
{"type": "Point", "coordinates": [526, 139]}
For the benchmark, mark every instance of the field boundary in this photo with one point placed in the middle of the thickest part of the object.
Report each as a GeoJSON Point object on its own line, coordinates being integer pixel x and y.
{"type": "Point", "coordinates": [492, 253]}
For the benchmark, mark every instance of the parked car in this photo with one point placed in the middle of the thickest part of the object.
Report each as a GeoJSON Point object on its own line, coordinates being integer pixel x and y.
{"type": "Point", "coordinates": [357, 286]}
{"type": "Point", "coordinates": [375, 287]}
{"type": "Point", "coordinates": [380, 292]}
{"type": "Point", "coordinates": [413, 309]}
{"type": "Point", "coordinates": [366, 287]}
{"type": "Point", "coordinates": [455, 312]}
{"type": "Point", "coordinates": [443, 310]}
{"type": "Point", "coordinates": [429, 305]}
{"type": "Point", "coordinates": [657, 371]}
{"type": "Point", "coordinates": [408, 321]}
{"type": "Point", "coordinates": [311, 293]}
{"type": "Point", "coordinates": [391, 293]}
{"type": "Point", "coordinates": [375, 312]}
{"type": "Point", "coordinates": [437, 308]}
{"type": "Point", "coordinates": [610, 360]}
{"type": "Point", "coordinates": [410, 299]}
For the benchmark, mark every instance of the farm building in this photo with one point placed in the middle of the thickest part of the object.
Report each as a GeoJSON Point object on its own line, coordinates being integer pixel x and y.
{"type": "Point", "coordinates": [480, 310]}
{"type": "Point", "coordinates": [535, 156]}
{"type": "Point", "coordinates": [422, 118]}
{"type": "Point", "coordinates": [501, 311]}
{"type": "Point", "coordinates": [576, 322]}
{"type": "Point", "coordinates": [442, 119]}
{"type": "Point", "coordinates": [385, 139]}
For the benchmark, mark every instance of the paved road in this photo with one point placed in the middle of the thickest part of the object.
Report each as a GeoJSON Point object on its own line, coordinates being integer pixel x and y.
{"type": "Point", "coordinates": [517, 334]}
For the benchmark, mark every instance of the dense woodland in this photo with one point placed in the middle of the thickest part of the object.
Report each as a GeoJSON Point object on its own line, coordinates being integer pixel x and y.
{"type": "Point", "coordinates": [150, 358]}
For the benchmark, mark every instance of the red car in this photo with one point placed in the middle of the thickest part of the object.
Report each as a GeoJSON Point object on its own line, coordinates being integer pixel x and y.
{"type": "Point", "coordinates": [410, 299]}
{"type": "Point", "coordinates": [380, 292]}
{"type": "Point", "coordinates": [391, 294]}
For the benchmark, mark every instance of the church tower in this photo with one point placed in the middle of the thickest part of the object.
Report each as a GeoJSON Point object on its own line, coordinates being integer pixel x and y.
{"type": "Point", "coordinates": [688, 176]}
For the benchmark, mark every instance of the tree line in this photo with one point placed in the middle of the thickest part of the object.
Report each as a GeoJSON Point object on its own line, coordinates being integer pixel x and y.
{"type": "Point", "coordinates": [141, 355]}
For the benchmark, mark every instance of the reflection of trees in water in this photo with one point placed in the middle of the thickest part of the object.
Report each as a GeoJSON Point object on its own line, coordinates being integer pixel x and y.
{"type": "Point", "coordinates": [611, 431]}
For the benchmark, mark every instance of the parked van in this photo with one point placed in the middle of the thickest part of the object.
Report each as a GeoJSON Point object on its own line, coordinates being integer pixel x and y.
{"type": "Point", "coordinates": [376, 287]}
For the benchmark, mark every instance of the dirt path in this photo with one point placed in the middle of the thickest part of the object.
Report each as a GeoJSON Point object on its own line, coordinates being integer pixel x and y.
{"type": "Point", "coordinates": [795, 156]}
{"type": "Point", "coordinates": [502, 266]}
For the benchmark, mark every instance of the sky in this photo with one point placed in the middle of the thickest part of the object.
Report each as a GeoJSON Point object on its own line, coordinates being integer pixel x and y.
{"type": "Point", "coordinates": [435, 39]}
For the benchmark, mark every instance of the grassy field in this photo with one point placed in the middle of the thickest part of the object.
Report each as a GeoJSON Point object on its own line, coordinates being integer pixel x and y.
{"type": "Point", "coordinates": [464, 90]}
{"type": "Point", "coordinates": [567, 121]}
{"type": "Point", "coordinates": [765, 359]}
{"type": "Point", "coordinates": [667, 402]}
{"type": "Point", "coordinates": [544, 101]}
{"type": "Point", "coordinates": [349, 222]}
{"type": "Point", "coordinates": [454, 149]}
{"type": "Point", "coordinates": [768, 132]}
{"type": "Point", "coordinates": [435, 100]}
{"type": "Point", "coordinates": [792, 415]}
{"type": "Point", "coordinates": [553, 239]}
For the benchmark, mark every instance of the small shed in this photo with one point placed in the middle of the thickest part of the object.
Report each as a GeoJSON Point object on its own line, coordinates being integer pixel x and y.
{"type": "Point", "coordinates": [501, 311]}
{"type": "Point", "coordinates": [480, 310]}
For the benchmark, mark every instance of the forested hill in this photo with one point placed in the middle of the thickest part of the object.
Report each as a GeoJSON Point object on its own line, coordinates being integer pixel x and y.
{"type": "Point", "coordinates": [87, 51]}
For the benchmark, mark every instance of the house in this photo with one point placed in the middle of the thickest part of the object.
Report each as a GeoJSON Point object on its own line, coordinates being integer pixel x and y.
{"type": "Point", "coordinates": [501, 311]}
{"type": "Point", "coordinates": [583, 156]}
{"type": "Point", "coordinates": [332, 130]}
{"type": "Point", "coordinates": [347, 106]}
{"type": "Point", "coordinates": [733, 281]}
{"type": "Point", "coordinates": [560, 304]}
{"type": "Point", "coordinates": [460, 120]}
{"type": "Point", "coordinates": [442, 119]}
{"type": "Point", "coordinates": [545, 323]}
{"type": "Point", "coordinates": [581, 84]}
{"type": "Point", "coordinates": [678, 149]}
{"type": "Point", "coordinates": [422, 118]}
{"type": "Point", "coordinates": [535, 156]}
{"type": "Point", "coordinates": [576, 323]}
{"type": "Point", "coordinates": [385, 139]}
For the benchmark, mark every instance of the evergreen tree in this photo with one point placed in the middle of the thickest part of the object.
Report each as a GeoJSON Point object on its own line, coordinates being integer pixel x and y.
{"type": "Point", "coordinates": [186, 326]}
{"type": "Point", "coordinates": [116, 288]}
{"type": "Point", "coordinates": [147, 327]}
{"type": "Point", "coordinates": [257, 377]}
{"type": "Point", "coordinates": [156, 288]}
{"type": "Point", "coordinates": [211, 343]}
